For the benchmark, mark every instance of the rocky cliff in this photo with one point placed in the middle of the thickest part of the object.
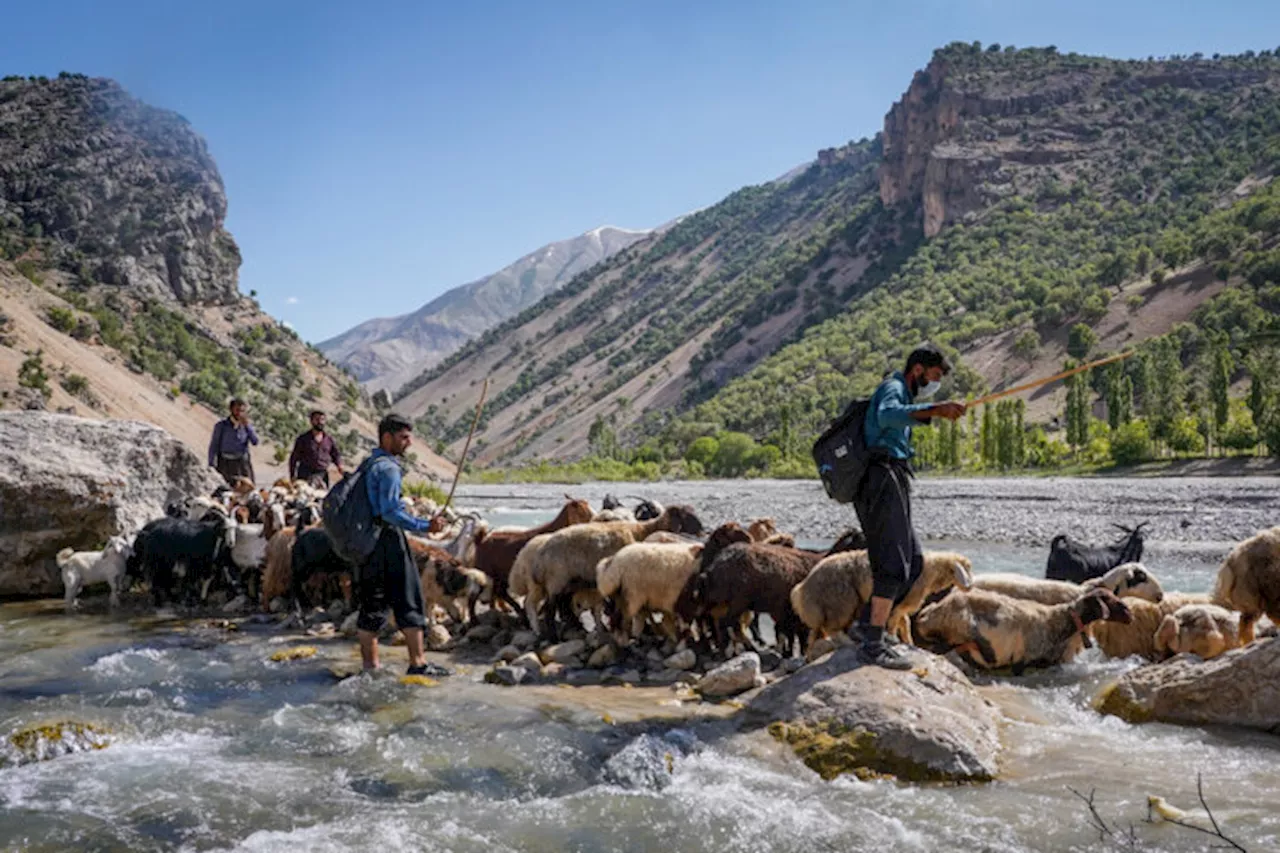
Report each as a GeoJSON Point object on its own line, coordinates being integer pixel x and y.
{"type": "Point", "coordinates": [124, 193]}
{"type": "Point", "coordinates": [978, 126]}
{"type": "Point", "coordinates": [387, 352]}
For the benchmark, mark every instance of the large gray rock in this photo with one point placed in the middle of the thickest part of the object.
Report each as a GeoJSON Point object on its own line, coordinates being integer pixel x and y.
{"type": "Point", "coordinates": [732, 677]}
{"type": "Point", "coordinates": [1239, 688]}
{"type": "Point", "coordinates": [923, 724]}
{"type": "Point", "coordinates": [73, 482]}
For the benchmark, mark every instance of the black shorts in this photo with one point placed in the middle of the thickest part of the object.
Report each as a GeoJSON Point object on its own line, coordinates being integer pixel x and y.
{"type": "Point", "coordinates": [883, 504]}
{"type": "Point", "coordinates": [389, 580]}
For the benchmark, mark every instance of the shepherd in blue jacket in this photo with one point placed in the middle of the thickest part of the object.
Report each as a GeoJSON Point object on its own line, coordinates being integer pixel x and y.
{"type": "Point", "coordinates": [389, 579]}
{"type": "Point", "coordinates": [883, 500]}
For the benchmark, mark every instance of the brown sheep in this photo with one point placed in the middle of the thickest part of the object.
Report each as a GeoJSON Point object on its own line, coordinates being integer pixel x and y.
{"type": "Point", "coordinates": [993, 631]}
{"type": "Point", "coordinates": [496, 550]}
{"type": "Point", "coordinates": [277, 577]}
{"type": "Point", "coordinates": [740, 577]}
{"type": "Point", "coordinates": [1249, 581]}
{"type": "Point", "coordinates": [835, 593]}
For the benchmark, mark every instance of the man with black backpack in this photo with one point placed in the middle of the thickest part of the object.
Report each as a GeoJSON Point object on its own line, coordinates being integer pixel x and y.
{"type": "Point", "coordinates": [388, 577]}
{"type": "Point", "coordinates": [883, 497]}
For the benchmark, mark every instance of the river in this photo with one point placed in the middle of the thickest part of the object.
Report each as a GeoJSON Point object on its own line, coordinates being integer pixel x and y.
{"type": "Point", "coordinates": [216, 747]}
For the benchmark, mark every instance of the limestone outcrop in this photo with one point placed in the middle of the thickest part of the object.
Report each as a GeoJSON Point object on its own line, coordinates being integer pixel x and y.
{"type": "Point", "coordinates": [73, 482]}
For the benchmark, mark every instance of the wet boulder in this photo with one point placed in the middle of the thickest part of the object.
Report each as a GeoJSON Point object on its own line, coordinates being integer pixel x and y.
{"type": "Point", "coordinates": [926, 724]}
{"type": "Point", "coordinates": [1239, 688]}
{"type": "Point", "coordinates": [732, 677]}
{"type": "Point", "coordinates": [51, 740]}
{"type": "Point", "coordinates": [68, 482]}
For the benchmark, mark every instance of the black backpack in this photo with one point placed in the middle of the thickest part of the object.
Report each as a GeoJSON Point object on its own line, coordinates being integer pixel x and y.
{"type": "Point", "coordinates": [348, 518]}
{"type": "Point", "coordinates": [842, 455]}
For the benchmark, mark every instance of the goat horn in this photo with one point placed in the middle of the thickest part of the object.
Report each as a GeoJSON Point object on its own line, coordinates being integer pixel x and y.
{"type": "Point", "coordinates": [1122, 527]}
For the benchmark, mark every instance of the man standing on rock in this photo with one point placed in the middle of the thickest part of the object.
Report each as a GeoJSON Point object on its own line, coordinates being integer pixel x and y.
{"type": "Point", "coordinates": [883, 500]}
{"type": "Point", "coordinates": [313, 452]}
{"type": "Point", "coordinates": [389, 578]}
{"type": "Point", "coordinates": [229, 447]}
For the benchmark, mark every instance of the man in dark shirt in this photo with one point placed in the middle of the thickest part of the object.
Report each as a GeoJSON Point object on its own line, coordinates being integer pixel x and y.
{"type": "Point", "coordinates": [229, 446]}
{"type": "Point", "coordinates": [313, 452]}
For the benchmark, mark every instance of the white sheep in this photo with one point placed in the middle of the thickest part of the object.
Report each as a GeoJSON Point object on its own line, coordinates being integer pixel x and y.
{"type": "Point", "coordinates": [1249, 581]}
{"type": "Point", "coordinates": [994, 631]}
{"type": "Point", "coordinates": [80, 568]}
{"type": "Point", "coordinates": [1129, 579]}
{"type": "Point", "coordinates": [1137, 637]}
{"type": "Point", "coordinates": [1206, 630]}
{"type": "Point", "coordinates": [566, 562]}
{"type": "Point", "coordinates": [520, 582]}
{"type": "Point", "coordinates": [647, 577]}
{"type": "Point", "coordinates": [835, 592]}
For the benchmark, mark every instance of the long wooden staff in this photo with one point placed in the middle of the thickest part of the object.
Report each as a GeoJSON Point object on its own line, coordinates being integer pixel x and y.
{"type": "Point", "coordinates": [462, 460]}
{"type": "Point", "coordinates": [1027, 386]}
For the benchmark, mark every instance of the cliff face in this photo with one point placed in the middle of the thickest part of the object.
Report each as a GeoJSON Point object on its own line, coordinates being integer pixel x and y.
{"type": "Point", "coordinates": [121, 192]}
{"type": "Point", "coordinates": [970, 131]}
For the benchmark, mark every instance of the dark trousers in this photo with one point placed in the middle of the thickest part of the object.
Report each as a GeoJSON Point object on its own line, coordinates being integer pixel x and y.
{"type": "Point", "coordinates": [883, 505]}
{"type": "Point", "coordinates": [317, 479]}
{"type": "Point", "coordinates": [389, 580]}
{"type": "Point", "coordinates": [230, 468]}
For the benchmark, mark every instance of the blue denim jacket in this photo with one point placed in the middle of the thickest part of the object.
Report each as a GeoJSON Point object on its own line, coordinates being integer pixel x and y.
{"type": "Point", "coordinates": [889, 421]}
{"type": "Point", "coordinates": [383, 482]}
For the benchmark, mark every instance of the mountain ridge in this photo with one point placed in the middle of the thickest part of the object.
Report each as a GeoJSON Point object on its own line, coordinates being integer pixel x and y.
{"type": "Point", "coordinates": [385, 352]}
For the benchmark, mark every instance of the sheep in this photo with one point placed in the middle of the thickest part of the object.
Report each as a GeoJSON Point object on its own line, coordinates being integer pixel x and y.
{"type": "Point", "coordinates": [660, 537]}
{"type": "Point", "coordinates": [521, 580]}
{"type": "Point", "coordinates": [647, 576]}
{"type": "Point", "coordinates": [785, 540]}
{"type": "Point", "coordinates": [740, 577]}
{"type": "Point", "coordinates": [839, 587]}
{"type": "Point", "coordinates": [613, 510]}
{"type": "Point", "coordinates": [313, 562]}
{"type": "Point", "coordinates": [1138, 636]}
{"type": "Point", "coordinates": [277, 575]}
{"type": "Point", "coordinates": [495, 551]}
{"type": "Point", "coordinates": [993, 631]}
{"type": "Point", "coordinates": [1206, 630]}
{"type": "Point", "coordinates": [445, 580]}
{"type": "Point", "coordinates": [567, 561]}
{"type": "Point", "coordinates": [761, 529]}
{"type": "Point", "coordinates": [80, 568]}
{"type": "Point", "coordinates": [249, 551]}
{"type": "Point", "coordinates": [1130, 579]}
{"type": "Point", "coordinates": [1249, 581]}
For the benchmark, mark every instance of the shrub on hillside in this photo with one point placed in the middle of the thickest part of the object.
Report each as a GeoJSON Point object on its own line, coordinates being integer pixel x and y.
{"type": "Point", "coordinates": [1239, 434]}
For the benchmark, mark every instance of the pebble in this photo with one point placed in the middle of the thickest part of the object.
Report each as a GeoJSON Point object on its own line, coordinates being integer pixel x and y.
{"type": "Point", "coordinates": [562, 652]}
{"type": "Point", "coordinates": [529, 661]}
{"type": "Point", "coordinates": [603, 657]}
{"type": "Point", "coordinates": [438, 637]}
{"type": "Point", "coordinates": [482, 633]}
{"type": "Point", "coordinates": [524, 639]}
{"type": "Point", "coordinates": [685, 659]}
{"type": "Point", "coordinates": [506, 675]}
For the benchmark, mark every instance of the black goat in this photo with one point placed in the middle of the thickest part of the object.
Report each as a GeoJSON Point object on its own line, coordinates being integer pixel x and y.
{"type": "Point", "coordinates": [183, 558]}
{"type": "Point", "coordinates": [1076, 562]}
{"type": "Point", "coordinates": [314, 562]}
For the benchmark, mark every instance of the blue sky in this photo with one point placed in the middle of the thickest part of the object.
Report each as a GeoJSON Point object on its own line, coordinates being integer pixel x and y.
{"type": "Point", "coordinates": [376, 154]}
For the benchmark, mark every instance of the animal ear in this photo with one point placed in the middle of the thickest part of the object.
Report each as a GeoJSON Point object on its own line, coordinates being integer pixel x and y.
{"type": "Point", "coordinates": [1166, 634]}
{"type": "Point", "coordinates": [964, 579]}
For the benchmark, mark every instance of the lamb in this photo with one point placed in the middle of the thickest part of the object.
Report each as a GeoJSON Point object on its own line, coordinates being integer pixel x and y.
{"type": "Point", "coordinates": [496, 551]}
{"type": "Point", "coordinates": [1249, 581]}
{"type": "Point", "coordinates": [1138, 636]}
{"type": "Point", "coordinates": [740, 577]}
{"type": "Point", "coordinates": [647, 576]}
{"type": "Point", "coordinates": [761, 529]}
{"type": "Point", "coordinates": [839, 587]}
{"type": "Point", "coordinates": [566, 563]}
{"type": "Point", "coordinates": [1130, 579]}
{"type": "Point", "coordinates": [1200, 629]}
{"type": "Point", "coordinates": [80, 568]}
{"type": "Point", "coordinates": [994, 631]}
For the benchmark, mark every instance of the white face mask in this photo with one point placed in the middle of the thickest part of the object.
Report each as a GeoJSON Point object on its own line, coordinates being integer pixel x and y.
{"type": "Point", "coordinates": [928, 390]}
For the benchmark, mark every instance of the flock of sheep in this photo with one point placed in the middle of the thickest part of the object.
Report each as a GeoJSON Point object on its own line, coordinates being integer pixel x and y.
{"type": "Point", "coordinates": [649, 576]}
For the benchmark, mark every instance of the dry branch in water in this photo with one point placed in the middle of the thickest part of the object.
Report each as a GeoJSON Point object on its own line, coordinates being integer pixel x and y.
{"type": "Point", "coordinates": [1110, 834]}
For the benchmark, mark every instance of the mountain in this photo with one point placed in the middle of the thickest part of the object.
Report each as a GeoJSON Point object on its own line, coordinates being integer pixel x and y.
{"type": "Point", "coordinates": [1013, 197]}
{"type": "Point", "coordinates": [387, 352]}
{"type": "Point", "coordinates": [119, 281]}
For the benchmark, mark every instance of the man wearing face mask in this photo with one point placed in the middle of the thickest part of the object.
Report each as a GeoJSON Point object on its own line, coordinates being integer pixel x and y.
{"type": "Point", "coordinates": [883, 500]}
